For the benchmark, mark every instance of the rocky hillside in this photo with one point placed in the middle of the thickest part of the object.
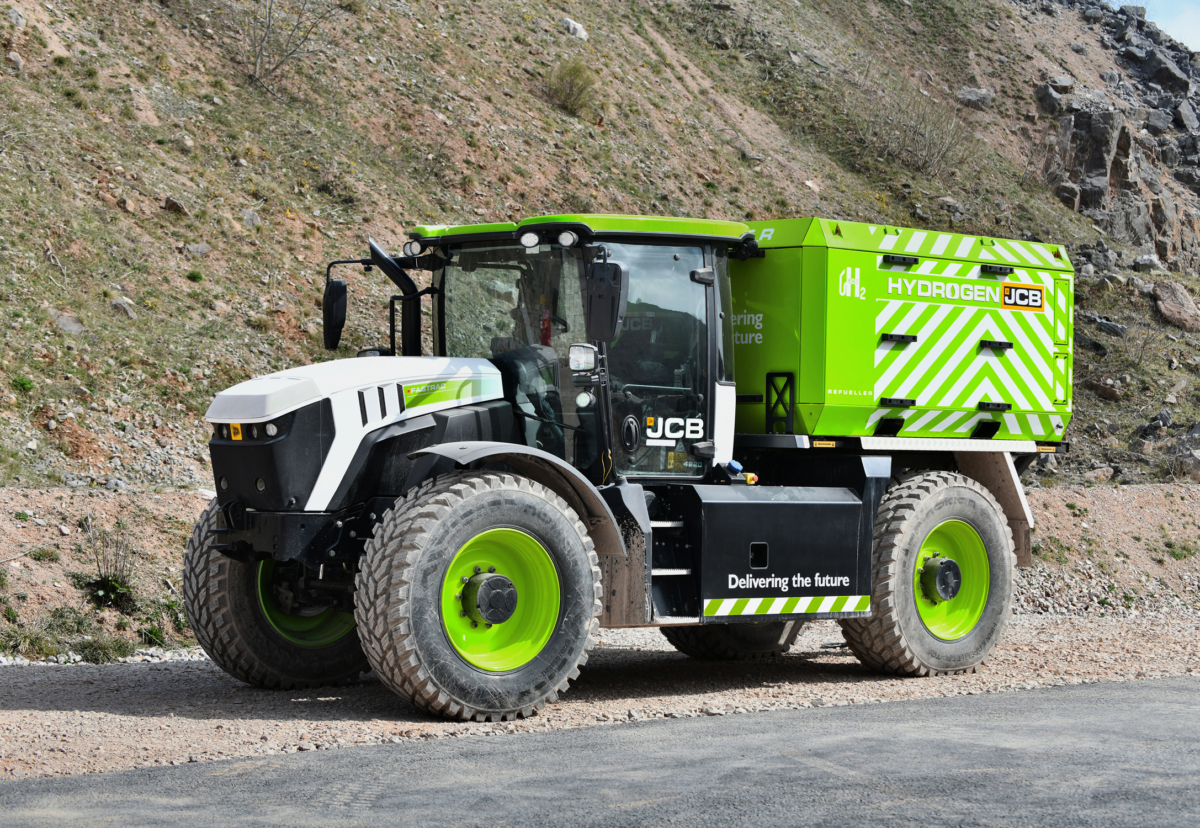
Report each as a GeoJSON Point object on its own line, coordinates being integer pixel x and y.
{"type": "Point", "coordinates": [166, 213]}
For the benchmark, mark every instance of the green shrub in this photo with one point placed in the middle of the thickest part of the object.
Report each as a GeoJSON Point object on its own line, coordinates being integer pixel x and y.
{"type": "Point", "coordinates": [194, 276]}
{"type": "Point", "coordinates": [23, 384]}
{"type": "Point", "coordinates": [30, 642]}
{"type": "Point", "coordinates": [572, 86]}
{"type": "Point", "coordinates": [44, 556]}
{"type": "Point", "coordinates": [10, 615]}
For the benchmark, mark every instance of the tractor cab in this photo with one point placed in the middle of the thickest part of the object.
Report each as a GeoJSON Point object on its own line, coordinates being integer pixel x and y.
{"type": "Point", "coordinates": [521, 296]}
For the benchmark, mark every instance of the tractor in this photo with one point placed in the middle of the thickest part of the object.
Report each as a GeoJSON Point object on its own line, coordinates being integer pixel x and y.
{"type": "Point", "coordinates": [720, 429]}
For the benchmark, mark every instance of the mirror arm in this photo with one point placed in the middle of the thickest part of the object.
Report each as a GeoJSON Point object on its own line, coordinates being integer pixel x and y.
{"type": "Point", "coordinates": [429, 291]}
{"type": "Point", "coordinates": [366, 265]}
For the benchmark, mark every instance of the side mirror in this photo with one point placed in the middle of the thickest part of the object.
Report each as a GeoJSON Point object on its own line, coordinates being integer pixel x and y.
{"type": "Point", "coordinates": [604, 305]}
{"type": "Point", "coordinates": [333, 312]}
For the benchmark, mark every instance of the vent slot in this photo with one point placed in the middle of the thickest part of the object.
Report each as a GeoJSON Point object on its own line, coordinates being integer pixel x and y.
{"type": "Point", "coordinates": [892, 258]}
{"type": "Point", "coordinates": [749, 398]}
{"type": "Point", "coordinates": [1002, 270]}
{"type": "Point", "coordinates": [895, 337]}
{"type": "Point", "coordinates": [400, 397]}
{"type": "Point", "coordinates": [995, 344]}
{"type": "Point", "coordinates": [362, 406]}
{"type": "Point", "coordinates": [896, 402]}
{"type": "Point", "coordinates": [995, 406]}
{"type": "Point", "coordinates": [382, 404]}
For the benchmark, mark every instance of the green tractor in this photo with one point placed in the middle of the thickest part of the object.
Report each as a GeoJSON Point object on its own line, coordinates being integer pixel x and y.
{"type": "Point", "coordinates": [580, 453]}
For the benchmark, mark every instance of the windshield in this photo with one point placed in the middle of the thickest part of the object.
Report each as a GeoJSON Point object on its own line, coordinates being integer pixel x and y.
{"type": "Point", "coordinates": [522, 309]}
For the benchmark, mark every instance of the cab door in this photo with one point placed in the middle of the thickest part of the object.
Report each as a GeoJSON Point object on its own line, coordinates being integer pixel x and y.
{"type": "Point", "coordinates": [658, 366]}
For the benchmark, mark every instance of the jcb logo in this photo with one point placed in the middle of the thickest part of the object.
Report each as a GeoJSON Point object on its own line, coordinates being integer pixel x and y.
{"type": "Point", "coordinates": [674, 428]}
{"type": "Point", "coordinates": [1023, 297]}
{"type": "Point", "coordinates": [849, 284]}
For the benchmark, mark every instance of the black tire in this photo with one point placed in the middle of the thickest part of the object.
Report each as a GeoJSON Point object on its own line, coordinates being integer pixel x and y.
{"type": "Point", "coordinates": [399, 595]}
{"type": "Point", "coordinates": [734, 642]}
{"type": "Point", "coordinates": [894, 639]}
{"type": "Point", "coordinates": [220, 599]}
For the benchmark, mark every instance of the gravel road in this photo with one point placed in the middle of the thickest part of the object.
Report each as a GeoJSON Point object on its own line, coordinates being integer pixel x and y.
{"type": "Point", "coordinates": [81, 718]}
{"type": "Point", "coordinates": [1101, 755]}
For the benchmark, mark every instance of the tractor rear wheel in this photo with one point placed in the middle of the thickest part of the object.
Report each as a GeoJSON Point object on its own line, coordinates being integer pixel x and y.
{"type": "Point", "coordinates": [734, 642]}
{"type": "Point", "coordinates": [943, 579]}
{"type": "Point", "coordinates": [478, 596]}
{"type": "Point", "coordinates": [232, 608]}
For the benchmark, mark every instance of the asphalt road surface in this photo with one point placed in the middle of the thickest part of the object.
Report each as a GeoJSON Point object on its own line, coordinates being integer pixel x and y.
{"type": "Point", "coordinates": [1101, 754]}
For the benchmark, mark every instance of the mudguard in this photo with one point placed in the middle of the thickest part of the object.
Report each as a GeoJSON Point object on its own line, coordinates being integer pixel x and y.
{"type": "Point", "coordinates": [556, 474]}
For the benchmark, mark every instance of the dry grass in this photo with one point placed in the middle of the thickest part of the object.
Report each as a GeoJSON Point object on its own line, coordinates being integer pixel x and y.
{"type": "Point", "coordinates": [887, 118]}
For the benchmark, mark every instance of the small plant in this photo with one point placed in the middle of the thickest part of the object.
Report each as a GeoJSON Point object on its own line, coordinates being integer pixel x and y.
{"type": "Point", "coordinates": [44, 556]}
{"type": "Point", "coordinates": [3, 579]}
{"type": "Point", "coordinates": [104, 649]}
{"type": "Point", "coordinates": [572, 86]}
{"type": "Point", "coordinates": [114, 558]}
{"type": "Point", "coordinates": [22, 516]}
{"type": "Point", "coordinates": [153, 636]}
{"type": "Point", "coordinates": [10, 615]}
{"type": "Point", "coordinates": [23, 384]}
{"type": "Point", "coordinates": [194, 276]}
{"type": "Point", "coordinates": [61, 60]}
{"type": "Point", "coordinates": [28, 641]}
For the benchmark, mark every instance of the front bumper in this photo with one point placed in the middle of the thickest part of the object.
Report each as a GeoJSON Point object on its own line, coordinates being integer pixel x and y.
{"type": "Point", "coordinates": [310, 538]}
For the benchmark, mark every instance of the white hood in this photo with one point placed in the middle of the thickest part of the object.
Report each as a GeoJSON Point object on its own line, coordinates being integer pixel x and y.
{"type": "Point", "coordinates": [267, 397]}
{"type": "Point", "coordinates": [366, 393]}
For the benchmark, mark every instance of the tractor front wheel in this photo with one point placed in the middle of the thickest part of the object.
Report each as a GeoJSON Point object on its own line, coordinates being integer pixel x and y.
{"type": "Point", "coordinates": [478, 596]}
{"type": "Point", "coordinates": [233, 609]}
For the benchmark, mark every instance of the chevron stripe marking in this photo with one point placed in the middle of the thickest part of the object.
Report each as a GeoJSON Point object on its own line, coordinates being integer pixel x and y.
{"type": "Point", "coordinates": [722, 607]}
{"type": "Point", "coordinates": [914, 244]}
{"type": "Point", "coordinates": [939, 246]}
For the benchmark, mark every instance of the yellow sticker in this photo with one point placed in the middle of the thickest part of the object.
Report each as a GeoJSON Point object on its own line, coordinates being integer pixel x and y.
{"type": "Point", "coordinates": [1015, 296]}
{"type": "Point", "coordinates": [235, 431]}
{"type": "Point", "coordinates": [824, 444]}
{"type": "Point", "coordinates": [649, 421]}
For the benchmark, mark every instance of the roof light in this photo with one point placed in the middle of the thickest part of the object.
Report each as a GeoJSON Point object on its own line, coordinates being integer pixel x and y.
{"type": "Point", "coordinates": [567, 239]}
{"type": "Point", "coordinates": [529, 239]}
{"type": "Point", "coordinates": [412, 248]}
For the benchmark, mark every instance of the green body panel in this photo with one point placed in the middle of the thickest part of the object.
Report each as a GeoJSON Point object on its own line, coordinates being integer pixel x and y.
{"type": "Point", "coordinates": [599, 225]}
{"type": "Point", "coordinates": [829, 279]}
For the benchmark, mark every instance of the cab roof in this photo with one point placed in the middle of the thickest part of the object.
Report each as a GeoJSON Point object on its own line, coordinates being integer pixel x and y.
{"type": "Point", "coordinates": [590, 225]}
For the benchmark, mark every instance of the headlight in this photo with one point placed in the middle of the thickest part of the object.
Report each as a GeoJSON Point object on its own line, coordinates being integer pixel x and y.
{"type": "Point", "coordinates": [529, 239]}
{"type": "Point", "coordinates": [412, 248]}
{"type": "Point", "coordinates": [567, 239]}
{"type": "Point", "coordinates": [271, 429]}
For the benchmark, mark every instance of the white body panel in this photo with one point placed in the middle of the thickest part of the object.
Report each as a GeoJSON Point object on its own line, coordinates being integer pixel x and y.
{"type": "Point", "coordinates": [724, 412]}
{"type": "Point", "coordinates": [441, 382]}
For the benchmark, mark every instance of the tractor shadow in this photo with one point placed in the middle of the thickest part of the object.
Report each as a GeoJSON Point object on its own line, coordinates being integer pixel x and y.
{"type": "Point", "coordinates": [200, 691]}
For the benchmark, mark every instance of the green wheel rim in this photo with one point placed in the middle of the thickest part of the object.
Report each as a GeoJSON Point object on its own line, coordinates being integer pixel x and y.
{"type": "Point", "coordinates": [319, 630]}
{"type": "Point", "coordinates": [953, 619]}
{"type": "Point", "coordinates": [517, 641]}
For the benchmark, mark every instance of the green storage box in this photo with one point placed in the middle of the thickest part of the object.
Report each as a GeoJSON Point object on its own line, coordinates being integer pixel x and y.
{"type": "Point", "coordinates": [850, 329]}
